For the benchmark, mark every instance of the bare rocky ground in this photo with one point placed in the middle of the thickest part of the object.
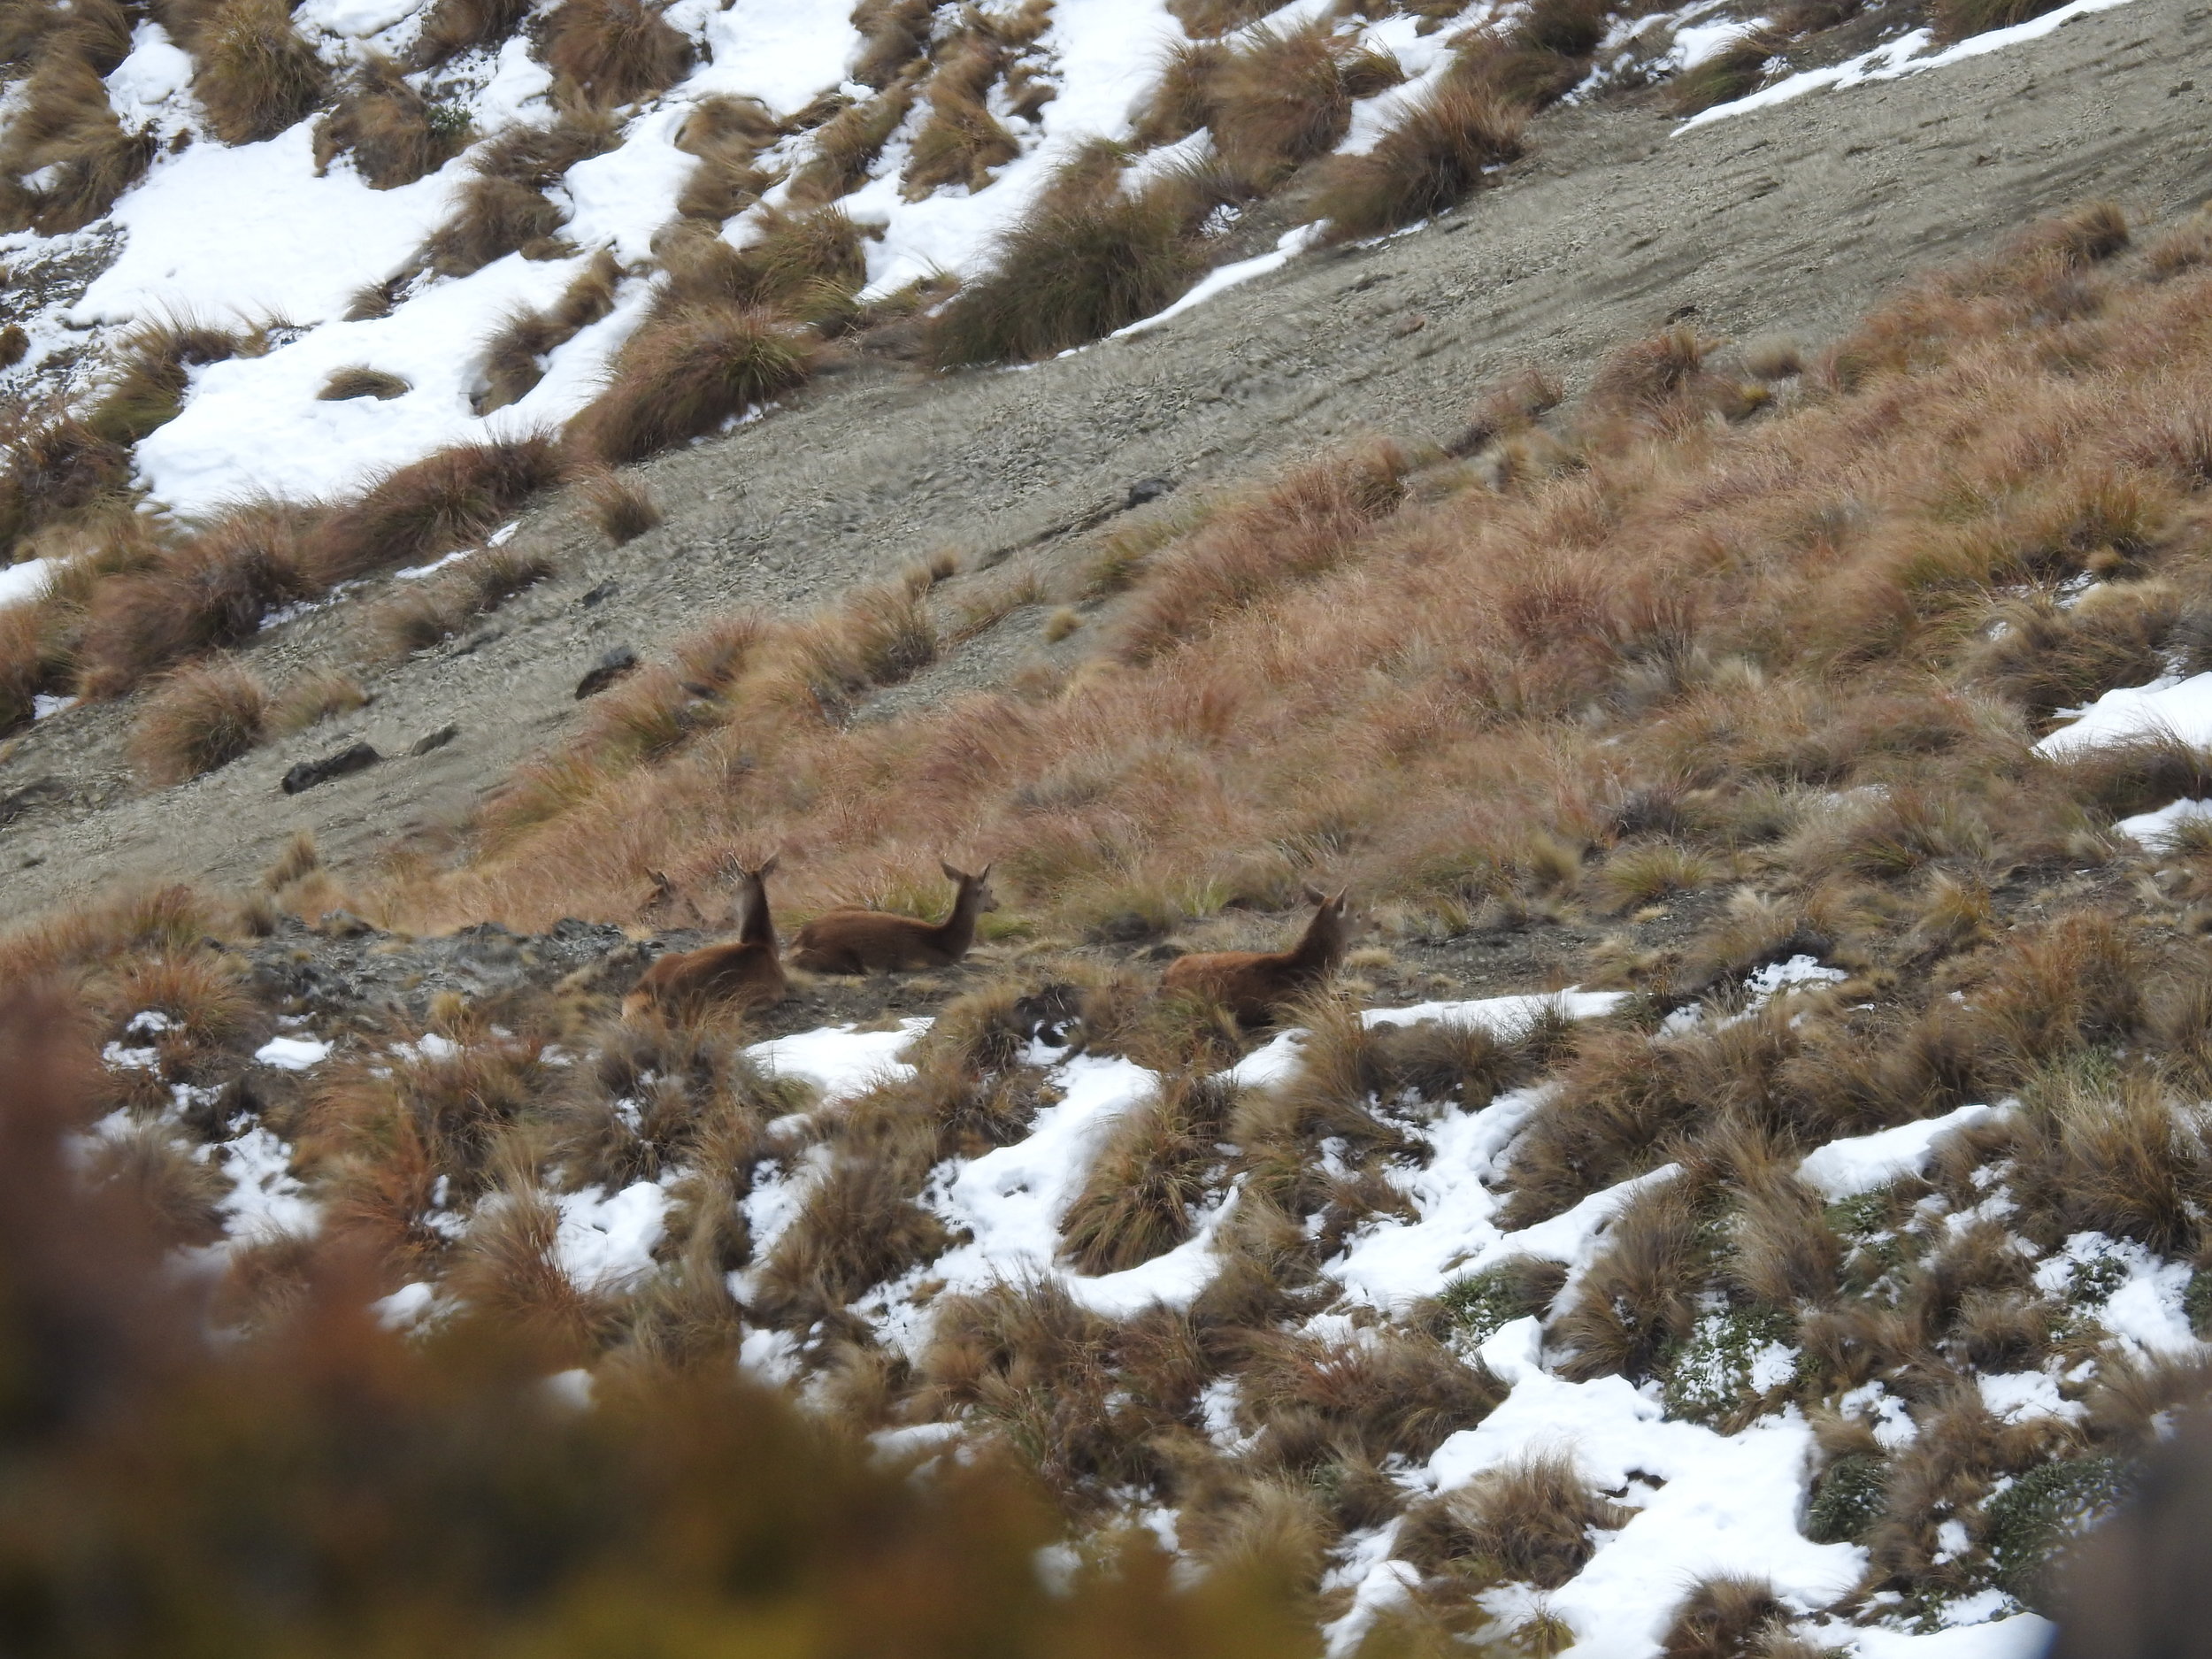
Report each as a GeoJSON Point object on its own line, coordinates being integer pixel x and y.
{"type": "Point", "coordinates": [1788, 220]}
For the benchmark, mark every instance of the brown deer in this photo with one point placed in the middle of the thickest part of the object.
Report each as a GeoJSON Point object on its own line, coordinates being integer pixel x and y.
{"type": "Point", "coordinates": [744, 971]}
{"type": "Point", "coordinates": [1254, 985]}
{"type": "Point", "coordinates": [859, 941]}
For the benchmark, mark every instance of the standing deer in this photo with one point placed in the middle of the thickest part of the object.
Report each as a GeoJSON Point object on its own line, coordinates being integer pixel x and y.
{"type": "Point", "coordinates": [858, 941]}
{"type": "Point", "coordinates": [744, 971]}
{"type": "Point", "coordinates": [1253, 985]}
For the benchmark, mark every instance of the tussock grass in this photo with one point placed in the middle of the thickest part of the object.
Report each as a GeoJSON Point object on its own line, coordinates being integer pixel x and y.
{"type": "Point", "coordinates": [1724, 1617]}
{"type": "Point", "coordinates": [894, 33]}
{"type": "Point", "coordinates": [392, 134]}
{"type": "Point", "coordinates": [417, 513]}
{"type": "Point", "coordinates": [438, 607]}
{"type": "Point", "coordinates": [254, 74]}
{"type": "Point", "coordinates": [1529, 1523]}
{"type": "Point", "coordinates": [209, 594]}
{"type": "Point", "coordinates": [614, 52]}
{"type": "Point", "coordinates": [685, 372]}
{"type": "Point", "coordinates": [846, 145]}
{"type": "Point", "coordinates": [200, 718]}
{"type": "Point", "coordinates": [453, 26]}
{"type": "Point", "coordinates": [147, 390]}
{"type": "Point", "coordinates": [960, 141]}
{"type": "Point", "coordinates": [56, 467]}
{"type": "Point", "coordinates": [1956, 19]}
{"type": "Point", "coordinates": [360, 380]}
{"type": "Point", "coordinates": [726, 135]}
{"type": "Point", "coordinates": [1729, 75]}
{"type": "Point", "coordinates": [1083, 263]}
{"type": "Point", "coordinates": [62, 130]}
{"type": "Point", "coordinates": [503, 207]}
{"type": "Point", "coordinates": [1284, 95]}
{"type": "Point", "coordinates": [515, 357]}
{"type": "Point", "coordinates": [1149, 1179]}
{"type": "Point", "coordinates": [1433, 158]}
{"type": "Point", "coordinates": [622, 508]}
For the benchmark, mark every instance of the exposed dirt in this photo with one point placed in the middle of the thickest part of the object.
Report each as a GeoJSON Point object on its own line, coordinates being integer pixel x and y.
{"type": "Point", "coordinates": [1785, 220]}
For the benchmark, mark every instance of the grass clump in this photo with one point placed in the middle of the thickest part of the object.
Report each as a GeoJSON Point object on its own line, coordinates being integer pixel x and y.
{"type": "Point", "coordinates": [688, 370]}
{"type": "Point", "coordinates": [1082, 264]}
{"type": "Point", "coordinates": [1956, 19]}
{"type": "Point", "coordinates": [503, 208]}
{"type": "Point", "coordinates": [200, 718]}
{"type": "Point", "coordinates": [416, 512]}
{"type": "Point", "coordinates": [359, 381]}
{"type": "Point", "coordinates": [254, 75]}
{"type": "Point", "coordinates": [1433, 157]}
{"type": "Point", "coordinates": [453, 27]}
{"type": "Point", "coordinates": [392, 134]}
{"type": "Point", "coordinates": [622, 508]}
{"type": "Point", "coordinates": [437, 608]}
{"type": "Point", "coordinates": [615, 51]}
{"type": "Point", "coordinates": [517, 356]}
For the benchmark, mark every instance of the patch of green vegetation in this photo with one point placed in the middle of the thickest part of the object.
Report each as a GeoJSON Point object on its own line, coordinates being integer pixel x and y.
{"type": "Point", "coordinates": [2095, 1280]}
{"type": "Point", "coordinates": [2196, 1302]}
{"type": "Point", "coordinates": [1849, 1499]}
{"type": "Point", "coordinates": [1714, 1370]}
{"type": "Point", "coordinates": [2031, 1519]}
{"type": "Point", "coordinates": [1478, 1305]}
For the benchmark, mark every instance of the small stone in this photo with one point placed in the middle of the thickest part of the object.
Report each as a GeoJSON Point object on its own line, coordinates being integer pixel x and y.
{"type": "Point", "coordinates": [605, 590]}
{"type": "Point", "coordinates": [433, 740]}
{"type": "Point", "coordinates": [308, 774]}
{"type": "Point", "coordinates": [1147, 489]}
{"type": "Point", "coordinates": [615, 663]}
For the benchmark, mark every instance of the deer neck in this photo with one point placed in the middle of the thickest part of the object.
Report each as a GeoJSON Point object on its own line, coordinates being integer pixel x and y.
{"type": "Point", "coordinates": [1322, 945]}
{"type": "Point", "coordinates": [756, 928]}
{"type": "Point", "coordinates": [957, 932]}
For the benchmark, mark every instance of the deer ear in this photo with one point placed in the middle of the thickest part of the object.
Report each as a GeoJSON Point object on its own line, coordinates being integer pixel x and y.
{"type": "Point", "coordinates": [950, 873]}
{"type": "Point", "coordinates": [983, 874]}
{"type": "Point", "coordinates": [769, 869]}
{"type": "Point", "coordinates": [1343, 895]}
{"type": "Point", "coordinates": [1314, 895]}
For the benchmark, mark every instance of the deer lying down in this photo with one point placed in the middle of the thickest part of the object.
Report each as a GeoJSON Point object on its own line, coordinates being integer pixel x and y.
{"type": "Point", "coordinates": [745, 972]}
{"type": "Point", "coordinates": [1254, 985]}
{"type": "Point", "coordinates": [860, 941]}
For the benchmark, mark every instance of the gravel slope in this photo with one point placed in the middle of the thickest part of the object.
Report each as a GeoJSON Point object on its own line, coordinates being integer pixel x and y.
{"type": "Point", "coordinates": [1787, 219]}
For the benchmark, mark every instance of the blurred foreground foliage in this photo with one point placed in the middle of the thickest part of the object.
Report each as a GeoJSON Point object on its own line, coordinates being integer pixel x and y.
{"type": "Point", "coordinates": [327, 1487]}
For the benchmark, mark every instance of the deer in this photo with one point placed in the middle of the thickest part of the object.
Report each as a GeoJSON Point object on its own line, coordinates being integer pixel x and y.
{"type": "Point", "coordinates": [859, 941]}
{"type": "Point", "coordinates": [746, 971]}
{"type": "Point", "coordinates": [1254, 985]}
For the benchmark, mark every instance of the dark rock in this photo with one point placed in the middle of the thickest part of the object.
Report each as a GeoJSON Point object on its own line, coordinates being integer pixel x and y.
{"type": "Point", "coordinates": [615, 663]}
{"type": "Point", "coordinates": [605, 590]}
{"type": "Point", "coordinates": [1147, 489]}
{"type": "Point", "coordinates": [308, 774]}
{"type": "Point", "coordinates": [434, 740]}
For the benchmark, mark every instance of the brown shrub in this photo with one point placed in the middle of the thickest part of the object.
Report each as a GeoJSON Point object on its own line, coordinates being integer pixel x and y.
{"type": "Point", "coordinates": [54, 468]}
{"type": "Point", "coordinates": [1729, 75]}
{"type": "Point", "coordinates": [386, 126]}
{"type": "Point", "coordinates": [1385, 1392]}
{"type": "Point", "coordinates": [726, 135]}
{"type": "Point", "coordinates": [685, 372]}
{"type": "Point", "coordinates": [1956, 19]}
{"type": "Point", "coordinates": [1433, 157]}
{"type": "Point", "coordinates": [960, 141]}
{"type": "Point", "coordinates": [615, 51]}
{"type": "Point", "coordinates": [438, 607]}
{"type": "Point", "coordinates": [147, 390]}
{"type": "Point", "coordinates": [506, 1271]}
{"type": "Point", "coordinates": [211, 593]}
{"type": "Point", "coordinates": [198, 719]}
{"type": "Point", "coordinates": [254, 75]}
{"type": "Point", "coordinates": [1181, 100]}
{"type": "Point", "coordinates": [64, 130]}
{"type": "Point", "coordinates": [846, 145]}
{"type": "Point", "coordinates": [895, 33]}
{"type": "Point", "coordinates": [416, 512]}
{"type": "Point", "coordinates": [2123, 1159]}
{"type": "Point", "coordinates": [160, 1176]}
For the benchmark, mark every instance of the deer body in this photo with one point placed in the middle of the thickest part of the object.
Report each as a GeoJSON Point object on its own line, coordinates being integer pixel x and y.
{"type": "Point", "coordinates": [863, 942]}
{"type": "Point", "coordinates": [745, 971]}
{"type": "Point", "coordinates": [1254, 985]}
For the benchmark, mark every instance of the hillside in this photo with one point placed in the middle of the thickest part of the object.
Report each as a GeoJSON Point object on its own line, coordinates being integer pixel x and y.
{"type": "Point", "coordinates": [1723, 587]}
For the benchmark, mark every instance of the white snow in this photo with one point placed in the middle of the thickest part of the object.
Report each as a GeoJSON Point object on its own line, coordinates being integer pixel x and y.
{"type": "Point", "coordinates": [1861, 1163]}
{"type": "Point", "coordinates": [605, 1240]}
{"type": "Point", "coordinates": [2157, 830]}
{"type": "Point", "coordinates": [2017, 1396]}
{"type": "Point", "coordinates": [406, 1307]}
{"type": "Point", "coordinates": [840, 1061]}
{"type": "Point", "coordinates": [265, 1200]}
{"type": "Point", "coordinates": [1229, 276]}
{"type": "Point", "coordinates": [780, 53]}
{"type": "Point", "coordinates": [1895, 59]}
{"type": "Point", "coordinates": [2167, 705]}
{"type": "Point", "coordinates": [19, 584]}
{"type": "Point", "coordinates": [292, 1054]}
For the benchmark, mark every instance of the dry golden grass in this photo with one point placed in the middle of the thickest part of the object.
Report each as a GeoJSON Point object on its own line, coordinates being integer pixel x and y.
{"type": "Point", "coordinates": [960, 141]}
{"type": "Point", "coordinates": [726, 135]}
{"type": "Point", "coordinates": [56, 467]}
{"type": "Point", "coordinates": [846, 145]}
{"type": "Point", "coordinates": [623, 508]}
{"type": "Point", "coordinates": [453, 26]}
{"type": "Point", "coordinates": [614, 52]}
{"type": "Point", "coordinates": [1284, 95]}
{"type": "Point", "coordinates": [254, 73]}
{"type": "Point", "coordinates": [1955, 20]}
{"type": "Point", "coordinates": [417, 513]}
{"type": "Point", "coordinates": [435, 607]}
{"type": "Point", "coordinates": [198, 719]}
{"type": "Point", "coordinates": [391, 132]}
{"type": "Point", "coordinates": [503, 207]}
{"type": "Point", "coordinates": [687, 370]}
{"type": "Point", "coordinates": [208, 594]}
{"type": "Point", "coordinates": [515, 357]}
{"type": "Point", "coordinates": [62, 129]}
